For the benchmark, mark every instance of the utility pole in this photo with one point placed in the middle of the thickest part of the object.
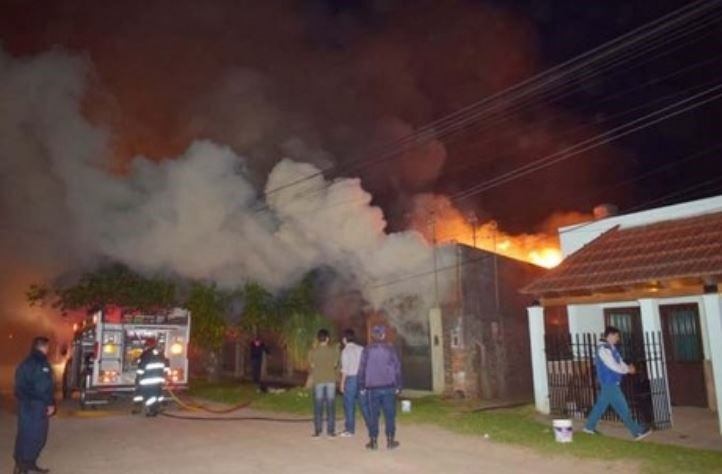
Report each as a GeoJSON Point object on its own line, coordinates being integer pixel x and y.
{"type": "Point", "coordinates": [494, 227]}
{"type": "Point", "coordinates": [473, 221]}
{"type": "Point", "coordinates": [432, 223]}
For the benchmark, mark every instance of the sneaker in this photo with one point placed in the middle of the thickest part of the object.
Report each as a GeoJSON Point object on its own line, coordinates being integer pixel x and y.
{"type": "Point", "coordinates": [331, 435]}
{"type": "Point", "coordinates": [346, 434]}
{"type": "Point", "coordinates": [591, 432]}
{"type": "Point", "coordinates": [316, 436]}
{"type": "Point", "coordinates": [643, 435]}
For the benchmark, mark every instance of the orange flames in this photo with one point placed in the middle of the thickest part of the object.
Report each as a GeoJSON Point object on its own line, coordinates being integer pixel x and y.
{"type": "Point", "coordinates": [438, 220]}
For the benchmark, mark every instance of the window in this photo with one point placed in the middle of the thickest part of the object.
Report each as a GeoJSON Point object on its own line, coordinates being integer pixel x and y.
{"type": "Point", "coordinates": [457, 340]}
{"type": "Point", "coordinates": [683, 333]}
{"type": "Point", "coordinates": [629, 323]}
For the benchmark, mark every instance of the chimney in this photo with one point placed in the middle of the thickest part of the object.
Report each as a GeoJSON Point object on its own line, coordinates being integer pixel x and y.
{"type": "Point", "coordinates": [602, 211]}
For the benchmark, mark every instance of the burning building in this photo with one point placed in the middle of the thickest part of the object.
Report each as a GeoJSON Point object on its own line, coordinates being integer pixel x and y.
{"type": "Point", "coordinates": [475, 342]}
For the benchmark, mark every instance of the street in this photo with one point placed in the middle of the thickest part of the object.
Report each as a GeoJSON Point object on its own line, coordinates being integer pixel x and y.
{"type": "Point", "coordinates": [112, 441]}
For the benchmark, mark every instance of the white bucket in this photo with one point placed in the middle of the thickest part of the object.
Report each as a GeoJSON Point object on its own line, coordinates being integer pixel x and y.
{"type": "Point", "coordinates": [563, 431]}
{"type": "Point", "coordinates": [405, 406]}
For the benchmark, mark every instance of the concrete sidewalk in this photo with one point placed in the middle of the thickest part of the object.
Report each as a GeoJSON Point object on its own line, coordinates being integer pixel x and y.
{"type": "Point", "coordinates": [692, 427]}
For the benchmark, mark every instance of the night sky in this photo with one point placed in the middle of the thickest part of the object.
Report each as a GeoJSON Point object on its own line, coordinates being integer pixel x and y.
{"type": "Point", "coordinates": [344, 75]}
{"type": "Point", "coordinates": [668, 159]}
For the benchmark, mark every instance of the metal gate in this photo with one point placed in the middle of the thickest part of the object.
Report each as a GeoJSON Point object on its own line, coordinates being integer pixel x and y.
{"type": "Point", "coordinates": [573, 380]}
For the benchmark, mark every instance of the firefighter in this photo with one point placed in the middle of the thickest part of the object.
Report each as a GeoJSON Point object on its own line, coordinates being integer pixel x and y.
{"type": "Point", "coordinates": [151, 374]}
{"type": "Point", "coordinates": [34, 392]}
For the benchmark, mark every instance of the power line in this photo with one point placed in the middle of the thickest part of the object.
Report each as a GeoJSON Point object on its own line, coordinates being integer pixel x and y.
{"type": "Point", "coordinates": [684, 105]}
{"type": "Point", "coordinates": [325, 185]}
{"type": "Point", "coordinates": [545, 79]}
{"type": "Point", "coordinates": [672, 110]}
{"type": "Point", "coordinates": [548, 78]}
{"type": "Point", "coordinates": [676, 73]}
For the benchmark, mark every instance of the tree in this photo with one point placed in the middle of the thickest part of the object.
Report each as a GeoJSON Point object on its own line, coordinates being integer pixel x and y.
{"type": "Point", "coordinates": [208, 306]}
{"type": "Point", "coordinates": [112, 285]}
{"type": "Point", "coordinates": [259, 309]}
{"type": "Point", "coordinates": [300, 321]}
{"type": "Point", "coordinates": [117, 285]}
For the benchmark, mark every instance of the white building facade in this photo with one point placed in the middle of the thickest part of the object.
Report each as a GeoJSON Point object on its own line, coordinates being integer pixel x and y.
{"type": "Point", "coordinates": [652, 273]}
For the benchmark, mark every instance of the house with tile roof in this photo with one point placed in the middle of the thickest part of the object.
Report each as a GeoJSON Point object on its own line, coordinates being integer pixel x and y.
{"type": "Point", "coordinates": [657, 276]}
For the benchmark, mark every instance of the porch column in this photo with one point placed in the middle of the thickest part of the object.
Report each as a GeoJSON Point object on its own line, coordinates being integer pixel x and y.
{"type": "Point", "coordinates": [713, 317]}
{"type": "Point", "coordinates": [654, 349]}
{"type": "Point", "coordinates": [649, 309]}
{"type": "Point", "coordinates": [538, 358]}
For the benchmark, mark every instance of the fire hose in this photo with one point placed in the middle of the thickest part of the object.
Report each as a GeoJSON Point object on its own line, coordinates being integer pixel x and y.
{"type": "Point", "coordinates": [194, 407]}
{"type": "Point", "coordinates": [200, 408]}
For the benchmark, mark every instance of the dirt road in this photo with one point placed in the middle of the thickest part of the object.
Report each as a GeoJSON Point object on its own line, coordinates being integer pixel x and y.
{"type": "Point", "coordinates": [120, 443]}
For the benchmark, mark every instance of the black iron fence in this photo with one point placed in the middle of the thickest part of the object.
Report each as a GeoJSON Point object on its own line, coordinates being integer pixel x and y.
{"type": "Point", "coordinates": [573, 381]}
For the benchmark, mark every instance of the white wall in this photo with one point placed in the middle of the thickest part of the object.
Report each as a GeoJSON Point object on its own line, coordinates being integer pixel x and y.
{"type": "Point", "coordinates": [572, 238]}
{"type": "Point", "coordinates": [713, 315]}
{"type": "Point", "coordinates": [588, 318]}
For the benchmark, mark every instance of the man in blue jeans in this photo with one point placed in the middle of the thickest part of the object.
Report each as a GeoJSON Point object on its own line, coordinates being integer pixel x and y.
{"type": "Point", "coordinates": [350, 360]}
{"type": "Point", "coordinates": [379, 379]}
{"type": "Point", "coordinates": [610, 369]}
{"type": "Point", "coordinates": [323, 360]}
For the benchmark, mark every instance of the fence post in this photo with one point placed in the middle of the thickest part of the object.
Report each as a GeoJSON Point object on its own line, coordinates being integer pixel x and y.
{"type": "Point", "coordinates": [658, 380]}
{"type": "Point", "coordinates": [538, 358]}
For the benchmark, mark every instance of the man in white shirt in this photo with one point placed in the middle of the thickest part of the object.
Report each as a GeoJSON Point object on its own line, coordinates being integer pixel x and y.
{"type": "Point", "coordinates": [350, 359]}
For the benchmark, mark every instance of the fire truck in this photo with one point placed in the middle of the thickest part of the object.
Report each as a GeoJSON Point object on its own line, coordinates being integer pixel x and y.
{"type": "Point", "coordinates": [107, 345]}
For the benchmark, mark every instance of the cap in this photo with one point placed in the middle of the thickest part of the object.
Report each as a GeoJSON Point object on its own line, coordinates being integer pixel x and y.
{"type": "Point", "coordinates": [378, 332]}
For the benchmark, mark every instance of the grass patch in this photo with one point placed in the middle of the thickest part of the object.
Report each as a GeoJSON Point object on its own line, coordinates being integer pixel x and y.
{"type": "Point", "coordinates": [519, 426]}
{"type": "Point", "coordinates": [514, 426]}
{"type": "Point", "coordinates": [295, 400]}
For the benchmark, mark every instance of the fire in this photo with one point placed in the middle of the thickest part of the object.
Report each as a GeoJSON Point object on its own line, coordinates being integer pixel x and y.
{"type": "Point", "coordinates": [547, 257]}
{"type": "Point", "coordinates": [447, 224]}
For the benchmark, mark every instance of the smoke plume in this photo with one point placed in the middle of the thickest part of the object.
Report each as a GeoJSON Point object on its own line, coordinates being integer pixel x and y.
{"type": "Point", "coordinates": [197, 215]}
{"type": "Point", "coordinates": [146, 131]}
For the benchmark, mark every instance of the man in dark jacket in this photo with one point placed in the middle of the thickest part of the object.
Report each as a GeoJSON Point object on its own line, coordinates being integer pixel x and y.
{"type": "Point", "coordinates": [34, 393]}
{"type": "Point", "coordinates": [258, 352]}
{"type": "Point", "coordinates": [152, 370]}
{"type": "Point", "coordinates": [379, 378]}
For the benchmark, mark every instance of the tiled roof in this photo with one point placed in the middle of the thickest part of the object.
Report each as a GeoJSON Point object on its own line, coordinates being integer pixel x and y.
{"type": "Point", "coordinates": [667, 250]}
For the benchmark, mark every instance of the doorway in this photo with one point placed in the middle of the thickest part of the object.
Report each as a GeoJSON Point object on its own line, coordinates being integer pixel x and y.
{"type": "Point", "coordinates": [684, 354]}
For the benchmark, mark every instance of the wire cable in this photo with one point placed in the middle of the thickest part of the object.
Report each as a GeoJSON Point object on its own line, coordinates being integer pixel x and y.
{"type": "Point", "coordinates": [549, 77]}
{"type": "Point", "coordinates": [708, 95]}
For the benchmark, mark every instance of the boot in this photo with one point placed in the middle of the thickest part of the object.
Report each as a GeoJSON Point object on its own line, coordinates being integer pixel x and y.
{"type": "Point", "coordinates": [372, 444]}
{"type": "Point", "coordinates": [391, 443]}
{"type": "Point", "coordinates": [36, 468]}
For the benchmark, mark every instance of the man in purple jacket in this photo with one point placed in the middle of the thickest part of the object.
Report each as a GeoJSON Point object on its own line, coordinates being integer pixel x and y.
{"type": "Point", "coordinates": [379, 379]}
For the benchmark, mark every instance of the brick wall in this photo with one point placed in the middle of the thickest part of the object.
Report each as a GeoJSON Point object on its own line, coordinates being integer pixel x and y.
{"type": "Point", "coordinates": [493, 359]}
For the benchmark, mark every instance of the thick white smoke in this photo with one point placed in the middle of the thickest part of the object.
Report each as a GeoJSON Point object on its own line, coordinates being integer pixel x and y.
{"type": "Point", "coordinates": [196, 215]}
